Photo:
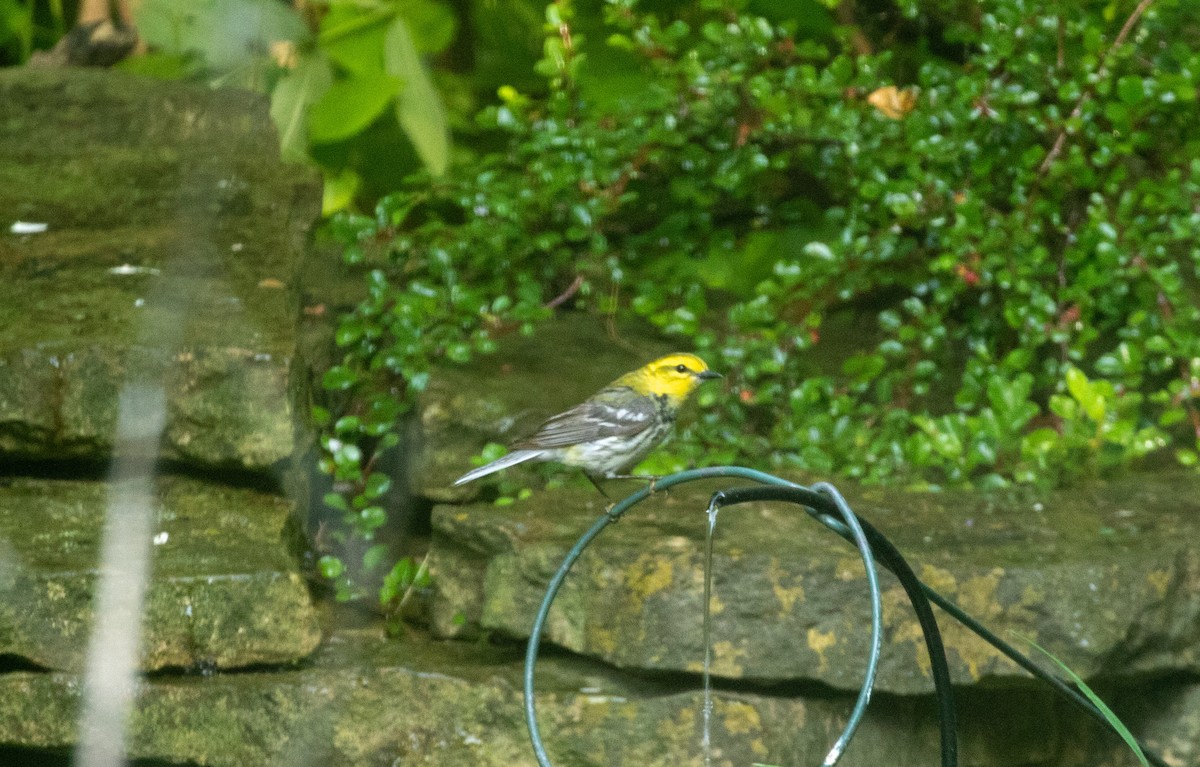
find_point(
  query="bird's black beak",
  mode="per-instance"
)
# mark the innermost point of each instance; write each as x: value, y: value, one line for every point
x: 708, y: 375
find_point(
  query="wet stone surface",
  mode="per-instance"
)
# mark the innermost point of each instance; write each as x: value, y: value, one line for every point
x: 226, y: 591
x: 1107, y: 578
x: 366, y: 700
x: 171, y: 240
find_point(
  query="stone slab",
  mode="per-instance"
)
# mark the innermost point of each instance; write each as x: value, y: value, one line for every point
x: 173, y: 234
x: 226, y: 407
x: 1107, y: 577
x: 225, y: 593
x: 368, y: 700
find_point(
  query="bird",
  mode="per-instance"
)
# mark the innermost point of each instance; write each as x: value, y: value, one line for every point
x: 614, y: 429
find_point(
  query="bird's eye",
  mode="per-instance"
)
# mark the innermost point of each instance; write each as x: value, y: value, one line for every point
x: 681, y: 368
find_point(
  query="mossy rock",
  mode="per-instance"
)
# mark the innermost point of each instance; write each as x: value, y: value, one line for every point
x: 1107, y: 577
x: 173, y: 236
x: 226, y: 591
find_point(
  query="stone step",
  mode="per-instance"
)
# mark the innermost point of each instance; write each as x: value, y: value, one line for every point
x: 1107, y: 577
x: 367, y: 699
x: 226, y: 591
x: 226, y: 407
x: 172, y: 237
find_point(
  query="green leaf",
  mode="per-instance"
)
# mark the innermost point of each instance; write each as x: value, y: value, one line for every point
x: 403, y: 571
x: 373, y: 557
x: 1010, y: 400
x: 347, y: 19
x: 353, y: 38
x: 377, y: 485
x: 320, y: 415
x: 1087, y: 394
x: 347, y: 456
x: 459, y: 352
x: 225, y: 33
x: 290, y: 100
x: 16, y: 23
x: 339, y: 378
x: 391, y: 439
x: 349, y: 331
x: 167, y: 26
x: 336, y: 501
x: 740, y: 270
x: 349, y: 106
x: 1131, y: 89
x: 339, y: 191
x: 373, y: 517
x: 1039, y: 442
x: 401, y: 576
x: 490, y: 452
x: 432, y: 24
x: 1064, y: 407
x: 1117, y: 725
x: 330, y: 567
x: 418, y: 106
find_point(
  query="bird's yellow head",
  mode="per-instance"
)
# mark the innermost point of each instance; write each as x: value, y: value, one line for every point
x: 675, y: 376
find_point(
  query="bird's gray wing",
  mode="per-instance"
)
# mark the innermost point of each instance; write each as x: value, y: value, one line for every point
x: 591, y: 420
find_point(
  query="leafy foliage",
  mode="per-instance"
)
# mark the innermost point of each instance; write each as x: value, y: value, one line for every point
x: 26, y: 25
x: 938, y: 246
x: 351, y: 68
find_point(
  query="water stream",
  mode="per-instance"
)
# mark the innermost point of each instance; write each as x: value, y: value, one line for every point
x: 706, y: 737
x: 111, y: 673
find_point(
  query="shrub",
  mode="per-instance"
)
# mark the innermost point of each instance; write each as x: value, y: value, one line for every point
x: 939, y: 245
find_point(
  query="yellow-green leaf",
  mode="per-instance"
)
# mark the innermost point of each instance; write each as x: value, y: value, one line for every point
x: 290, y: 101
x: 352, y: 37
x: 1086, y: 394
x: 349, y: 106
x: 418, y: 107
x: 339, y: 191
x: 432, y: 25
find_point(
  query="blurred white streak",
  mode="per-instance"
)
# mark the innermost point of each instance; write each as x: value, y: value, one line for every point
x: 28, y: 227
x: 111, y: 674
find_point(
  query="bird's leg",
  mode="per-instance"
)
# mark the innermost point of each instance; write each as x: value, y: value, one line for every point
x: 611, y: 503
x: 651, y: 478
x: 596, y: 485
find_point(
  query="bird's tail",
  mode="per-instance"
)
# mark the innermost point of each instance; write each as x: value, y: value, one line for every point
x: 512, y: 459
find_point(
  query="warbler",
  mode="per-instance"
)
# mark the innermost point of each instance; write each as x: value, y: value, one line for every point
x: 614, y: 429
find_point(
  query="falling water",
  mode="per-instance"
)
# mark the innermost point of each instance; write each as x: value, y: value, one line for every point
x: 706, y: 737
x: 113, y: 654
x: 112, y: 659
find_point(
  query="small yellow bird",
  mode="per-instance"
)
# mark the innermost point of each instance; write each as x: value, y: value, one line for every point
x: 618, y: 426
